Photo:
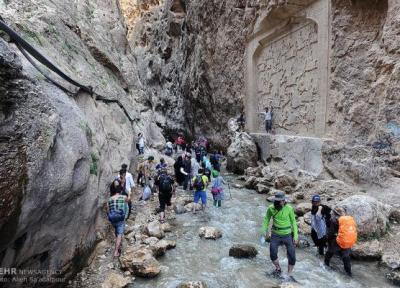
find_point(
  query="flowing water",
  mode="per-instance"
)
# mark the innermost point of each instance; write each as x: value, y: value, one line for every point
x: 240, y: 219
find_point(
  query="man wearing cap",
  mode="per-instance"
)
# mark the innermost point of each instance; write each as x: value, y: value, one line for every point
x: 283, y: 232
x: 320, y: 221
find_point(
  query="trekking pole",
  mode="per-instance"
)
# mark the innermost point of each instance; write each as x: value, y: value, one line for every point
x: 229, y: 188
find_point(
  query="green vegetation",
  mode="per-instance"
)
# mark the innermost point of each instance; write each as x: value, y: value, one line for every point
x: 94, y: 164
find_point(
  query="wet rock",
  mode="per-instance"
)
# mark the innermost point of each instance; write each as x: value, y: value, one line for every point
x: 394, y: 277
x: 210, y: 233
x: 169, y: 244
x: 183, y: 200
x: 265, y: 181
x: 243, y: 251
x: 154, y: 229
x: 253, y: 171
x: 303, y: 243
x: 241, y: 178
x: 179, y: 209
x: 262, y: 189
x: 114, y: 280
x: 371, y: 216
x: 161, y: 246
x: 303, y: 208
x: 371, y: 250
x: 189, y: 207
x: 391, y: 260
x: 395, y: 215
x: 140, y: 261
x: 284, y: 180
x: 166, y: 227
x: 238, y: 186
x: 242, y: 153
x: 193, y: 284
x: 150, y: 240
x: 251, y: 182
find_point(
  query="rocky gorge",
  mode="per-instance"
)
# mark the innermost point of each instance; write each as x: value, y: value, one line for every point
x: 188, y: 66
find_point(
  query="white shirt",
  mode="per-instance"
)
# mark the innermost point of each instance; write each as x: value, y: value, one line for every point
x: 141, y: 142
x: 129, y: 183
x: 267, y: 115
x: 169, y: 145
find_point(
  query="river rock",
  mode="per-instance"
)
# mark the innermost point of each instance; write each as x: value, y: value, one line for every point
x: 169, y: 244
x: 210, y: 233
x: 371, y: 250
x: 154, y: 229
x: 303, y: 208
x: 391, y: 260
x: 303, y: 227
x: 140, y: 261
x: 370, y: 215
x: 262, y: 189
x: 265, y: 181
x: 285, y: 180
x: 394, y: 277
x: 166, y: 227
x: 193, y: 284
x: 253, y: 171
x: 150, y: 240
x: 183, y: 200
x: 242, y: 153
x: 179, y: 209
x: 251, y: 182
x: 114, y: 280
x: 243, y: 251
x: 189, y: 207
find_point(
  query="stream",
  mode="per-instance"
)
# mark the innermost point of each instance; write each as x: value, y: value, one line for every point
x: 240, y: 219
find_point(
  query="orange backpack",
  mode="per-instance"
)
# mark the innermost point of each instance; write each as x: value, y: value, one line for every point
x: 347, y: 235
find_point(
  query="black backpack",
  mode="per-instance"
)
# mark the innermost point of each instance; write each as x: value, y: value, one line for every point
x: 165, y: 184
x: 198, y: 183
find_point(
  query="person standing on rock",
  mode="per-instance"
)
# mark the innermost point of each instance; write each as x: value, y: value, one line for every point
x: 200, y: 183
x: 217, y: 188
x: 129, y: 184
x: 342, y: 235
x: 140, y: 144
x: 320, y: 222
x: 117, y: 211
x: 267, y: 118
x: 186, y: 170
x: 179, y: 177
x: 166, y: 188
x: 284, y: 231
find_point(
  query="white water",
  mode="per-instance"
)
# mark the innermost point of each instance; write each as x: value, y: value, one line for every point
x: 240, y: 219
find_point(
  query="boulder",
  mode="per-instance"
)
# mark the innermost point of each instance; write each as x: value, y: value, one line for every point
x: 265, y: 181
x: 166, y: 227
x: 158, y: 249
x: 154, y: 229
x: 371, y: 216
x: 395, y: 215
x: 267, y: 173
x: 242, y: 153
x: 284, y: 180
x: 243, y: 251
x: 169, y: 244
x: 183, y: 200
x: 210, y: 233
x: 189, y: 207
x: 179, y: 209
x: 371, y: 250
x: 114, y: 280
x: 251, y: 182
x: 391, y: 260
x: 262, y: 189
x: 253, y: 171
x: 394, y: 277
x: 140, y: 261
x: 304, y: 228
x: 193, y: 284
x: 150, y: 240
x: 303, y: 208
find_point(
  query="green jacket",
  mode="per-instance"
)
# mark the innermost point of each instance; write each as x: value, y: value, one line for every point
x: 284, y: 221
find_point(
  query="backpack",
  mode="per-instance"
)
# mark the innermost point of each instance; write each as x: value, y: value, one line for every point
x: 198, y: 183
x: 165, y: 184
x: 347, y: 235
x: 146, y: 193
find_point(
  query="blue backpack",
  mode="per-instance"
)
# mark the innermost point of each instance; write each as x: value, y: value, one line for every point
x: 116, y: 216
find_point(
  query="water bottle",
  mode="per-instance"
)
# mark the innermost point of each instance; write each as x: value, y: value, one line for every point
x: 262, y: 240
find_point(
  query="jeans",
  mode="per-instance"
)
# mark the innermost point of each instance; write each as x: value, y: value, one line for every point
x: 186, y: 182
x: 287, y: 240
x: 141, y: 150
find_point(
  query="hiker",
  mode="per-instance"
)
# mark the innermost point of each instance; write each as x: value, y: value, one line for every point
x: 195, y: 166
x: 241, y: 121
x: 169, y: 148
x: 283, y: 232
x: 180, y: 144
x: 179, y: 177
x: 320, y: 221
x: 214, y: 160
x: 140, y: 144
x: 267, y: 118
x: 149, y: 171
x: 197, y: 152
x: 342, y: 235
x: 217, y: 188
x: 166, y: 188
x: 206, y: 170
x: 140, y: 171
x: 129, y: 184
x: 117, y: 212
x: 186, y: 170
x: 161, y: 165
x: 200, y: 183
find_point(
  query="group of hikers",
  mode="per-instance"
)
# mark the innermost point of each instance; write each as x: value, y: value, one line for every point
x: 330, y: 228
x: 197, y: 170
